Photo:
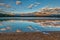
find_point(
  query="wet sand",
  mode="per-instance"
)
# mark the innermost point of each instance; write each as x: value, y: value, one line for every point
x: 30, y: 36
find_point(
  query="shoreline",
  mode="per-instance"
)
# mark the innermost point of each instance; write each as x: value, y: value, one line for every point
x: 30, y: 36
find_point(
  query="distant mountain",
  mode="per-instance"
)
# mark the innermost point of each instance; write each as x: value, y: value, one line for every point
x: 45, y: 12
x: 5, y: 15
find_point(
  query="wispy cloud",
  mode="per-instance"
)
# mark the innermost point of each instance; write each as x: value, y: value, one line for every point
x: 34, y: 5
x: 31, y: 5
x: 37, y: 3
x: 18, y: 2
x: 2, y: 4
x: 5, y: 5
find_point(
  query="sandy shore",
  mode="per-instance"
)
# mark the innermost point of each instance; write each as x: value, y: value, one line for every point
x: 30, y: 36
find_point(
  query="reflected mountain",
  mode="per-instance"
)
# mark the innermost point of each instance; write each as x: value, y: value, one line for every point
x: 26, y: 26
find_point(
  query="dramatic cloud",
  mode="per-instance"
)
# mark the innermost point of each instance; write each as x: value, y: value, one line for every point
x: 18, y: 2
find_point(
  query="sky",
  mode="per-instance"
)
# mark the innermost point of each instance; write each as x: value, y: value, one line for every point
x: 25, y: 6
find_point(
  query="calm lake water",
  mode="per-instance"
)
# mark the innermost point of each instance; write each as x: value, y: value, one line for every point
x: 23, y: 26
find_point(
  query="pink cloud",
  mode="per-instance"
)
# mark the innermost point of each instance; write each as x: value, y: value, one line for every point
x: 18, y: 2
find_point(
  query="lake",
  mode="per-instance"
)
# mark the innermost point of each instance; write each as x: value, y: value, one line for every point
x: 23, y: 26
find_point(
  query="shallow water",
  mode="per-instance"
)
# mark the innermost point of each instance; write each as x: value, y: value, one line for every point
x: 23, y: 26
x: 14, y: 25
